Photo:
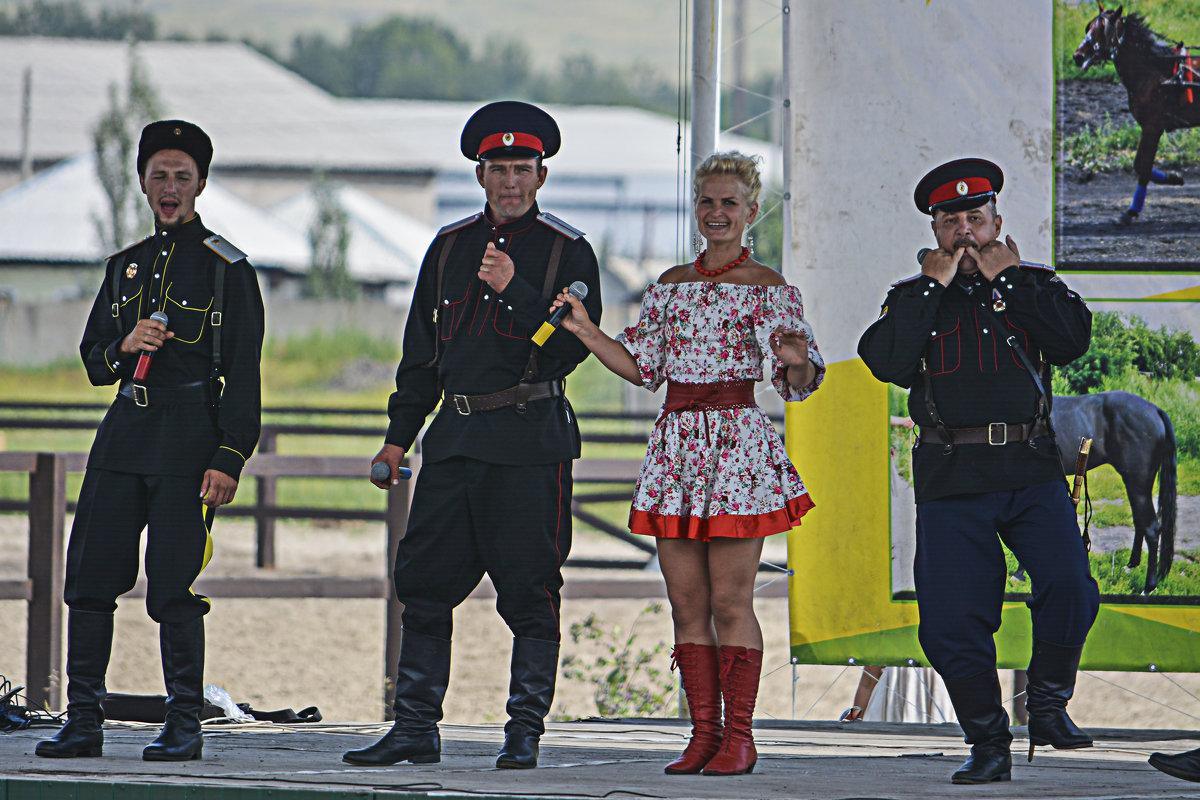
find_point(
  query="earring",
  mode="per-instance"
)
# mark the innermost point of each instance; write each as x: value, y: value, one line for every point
x: 697, y: 243
x: 750, y: 242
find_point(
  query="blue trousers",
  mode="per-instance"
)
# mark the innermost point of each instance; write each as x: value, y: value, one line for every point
x: 961, y: 574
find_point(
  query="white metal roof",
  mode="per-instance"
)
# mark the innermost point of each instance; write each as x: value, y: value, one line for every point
x: 50, y: 219
x: 385, y: 244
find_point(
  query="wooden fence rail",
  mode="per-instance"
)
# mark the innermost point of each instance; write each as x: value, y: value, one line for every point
x: 47, y: 507
x: 42, y: 588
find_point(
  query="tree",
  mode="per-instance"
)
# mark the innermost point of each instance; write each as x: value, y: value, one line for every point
x: 113, y: 139
x: 72, y: 21
x: 329, y: 235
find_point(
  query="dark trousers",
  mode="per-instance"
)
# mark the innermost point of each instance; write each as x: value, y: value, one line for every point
x: 469, y: 518
x: 961, y: 573
x: 102, y: 555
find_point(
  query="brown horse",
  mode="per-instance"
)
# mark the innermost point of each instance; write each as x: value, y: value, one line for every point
x: 1137, y: 438
x: 1162, y: 81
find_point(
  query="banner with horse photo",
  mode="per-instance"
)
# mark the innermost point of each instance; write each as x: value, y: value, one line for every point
x: 864, y: 130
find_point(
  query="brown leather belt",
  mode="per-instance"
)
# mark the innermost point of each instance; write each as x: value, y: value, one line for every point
x: 993, y: 433
x: 519, y: 395
x: 184, y: 394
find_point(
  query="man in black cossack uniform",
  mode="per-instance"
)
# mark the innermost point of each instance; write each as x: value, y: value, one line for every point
x: 494, y: 490
x: 173, y: 441
x: 972, y: 338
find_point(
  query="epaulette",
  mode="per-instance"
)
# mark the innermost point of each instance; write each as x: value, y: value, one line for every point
x: 128, y: 248
x: 908, y: 280
x: 557, y: 224
x: 1031, y: 265
x: 462, y: 223
x: 224, y: 249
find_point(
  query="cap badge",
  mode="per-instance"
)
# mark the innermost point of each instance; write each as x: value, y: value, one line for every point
x: 962, y: 188
x: 508, y: 139
x: 131, y: 270
x: 178, y: 132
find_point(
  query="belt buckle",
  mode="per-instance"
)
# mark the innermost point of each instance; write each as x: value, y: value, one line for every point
x: 1002, y: 428
x: 461, y: 404
x: 139, y: 395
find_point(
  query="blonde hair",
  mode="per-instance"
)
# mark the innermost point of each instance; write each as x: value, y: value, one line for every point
x: 739, y: 165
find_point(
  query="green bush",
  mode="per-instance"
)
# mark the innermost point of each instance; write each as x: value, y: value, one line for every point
x: 627, y: 682
x: 1121, y: 346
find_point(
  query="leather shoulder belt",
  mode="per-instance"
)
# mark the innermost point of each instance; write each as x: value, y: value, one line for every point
x: 519, y: 395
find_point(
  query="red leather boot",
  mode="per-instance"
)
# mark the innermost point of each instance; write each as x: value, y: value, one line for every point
x: 740, y: 670
x: 698, y: 671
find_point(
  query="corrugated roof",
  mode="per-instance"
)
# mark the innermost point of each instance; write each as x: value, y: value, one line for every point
x: 261, y: 114
x: 257, y: 112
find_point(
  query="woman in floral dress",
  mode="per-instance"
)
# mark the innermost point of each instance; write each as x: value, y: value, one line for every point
x: 716, y: 478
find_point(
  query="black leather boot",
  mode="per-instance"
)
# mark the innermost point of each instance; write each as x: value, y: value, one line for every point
x: 89, y: 644
x: 182, y: 647
x: 1183, y: 765
x: 421, y: 681
x: 985, y: 727
x: 531, y: 691
x: 1051, y: 674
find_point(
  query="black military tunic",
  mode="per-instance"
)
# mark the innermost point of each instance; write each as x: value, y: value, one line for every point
x: 976, y: 377
x: 173, y: 272
x: 146, y: 465
x: 494, y: 492
x: 481, y: 340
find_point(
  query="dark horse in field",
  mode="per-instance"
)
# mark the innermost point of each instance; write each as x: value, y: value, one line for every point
x: 1137, y: 438
x: 1162, y: 81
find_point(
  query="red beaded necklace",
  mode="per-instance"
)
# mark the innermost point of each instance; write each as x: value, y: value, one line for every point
x: 712, y: 273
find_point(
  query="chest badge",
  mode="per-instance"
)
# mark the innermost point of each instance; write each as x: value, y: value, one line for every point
x: 998, y: 303
x: 131, y: 270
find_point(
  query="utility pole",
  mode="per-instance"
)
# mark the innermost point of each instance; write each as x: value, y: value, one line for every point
x: 739, y: 63
x: 26, y: 122
x: 706, y: 83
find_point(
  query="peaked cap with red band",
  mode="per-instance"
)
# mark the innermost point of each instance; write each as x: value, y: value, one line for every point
x: 958, y: 186
x: 509, y: 129
x: 175, y: 134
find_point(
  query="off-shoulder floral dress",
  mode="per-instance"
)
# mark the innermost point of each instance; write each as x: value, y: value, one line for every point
x: 717, y: 472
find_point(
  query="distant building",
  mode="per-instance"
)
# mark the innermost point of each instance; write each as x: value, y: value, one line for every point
x: 621, y: 175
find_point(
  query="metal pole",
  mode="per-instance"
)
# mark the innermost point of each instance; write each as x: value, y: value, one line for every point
x: 706, y: 79
x: 26, y: 122
x: 788, y: 261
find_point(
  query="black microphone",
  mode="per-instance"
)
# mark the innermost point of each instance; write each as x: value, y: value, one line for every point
x: 924, y: 251
x: 380, y: 471
x: 577, y: 289
x: 143, y: 363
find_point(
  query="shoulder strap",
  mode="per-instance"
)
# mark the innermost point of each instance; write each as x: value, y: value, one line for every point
x: 437, y: 297
x: 556, y: 251
x: 1035, y: 371
x: 116, y: 293
x: 215, y: 315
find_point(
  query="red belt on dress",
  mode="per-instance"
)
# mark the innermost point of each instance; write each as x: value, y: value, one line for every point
x: 707, y: 396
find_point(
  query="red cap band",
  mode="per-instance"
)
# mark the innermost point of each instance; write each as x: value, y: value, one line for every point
x: 511, y: 140
x: 959, y: 188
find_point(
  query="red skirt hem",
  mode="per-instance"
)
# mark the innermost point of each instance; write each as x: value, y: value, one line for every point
x: 724, y: 526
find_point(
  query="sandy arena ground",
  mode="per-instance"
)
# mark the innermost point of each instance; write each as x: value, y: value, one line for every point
x: 277, y: 654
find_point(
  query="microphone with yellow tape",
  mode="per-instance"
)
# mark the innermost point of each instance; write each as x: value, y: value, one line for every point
x: 579, y: 290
